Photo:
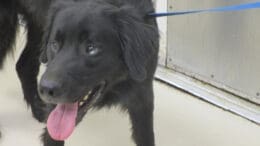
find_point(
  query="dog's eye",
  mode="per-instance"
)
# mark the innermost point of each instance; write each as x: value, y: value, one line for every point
x: 54, y: 46
x: 92, y: 50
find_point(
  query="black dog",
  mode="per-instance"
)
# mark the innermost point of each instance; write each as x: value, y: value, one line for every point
x: 97, y: 52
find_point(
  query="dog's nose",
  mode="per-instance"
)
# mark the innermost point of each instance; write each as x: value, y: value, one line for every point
x: 49, y: 88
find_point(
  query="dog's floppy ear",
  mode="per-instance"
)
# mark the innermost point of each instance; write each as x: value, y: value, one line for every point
x: 139, y: 41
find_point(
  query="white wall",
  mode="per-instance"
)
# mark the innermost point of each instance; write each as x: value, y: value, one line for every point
x: 161, y: 6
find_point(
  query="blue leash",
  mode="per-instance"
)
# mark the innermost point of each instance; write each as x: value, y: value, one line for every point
x: 238, y: 7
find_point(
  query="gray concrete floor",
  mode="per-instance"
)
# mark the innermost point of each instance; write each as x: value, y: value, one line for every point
x: 180, y: 120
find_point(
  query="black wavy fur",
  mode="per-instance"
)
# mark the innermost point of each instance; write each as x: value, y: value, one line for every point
x: 8, y: 25
x: 128, y: 67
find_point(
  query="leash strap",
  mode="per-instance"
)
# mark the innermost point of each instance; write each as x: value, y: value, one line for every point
x: 239, y: 7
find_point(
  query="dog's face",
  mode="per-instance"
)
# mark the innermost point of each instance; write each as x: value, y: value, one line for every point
x: 83, y: 53
x: 89, y: 47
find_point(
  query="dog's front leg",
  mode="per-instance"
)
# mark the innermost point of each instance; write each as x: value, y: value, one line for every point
x: 48, y: 141
x: 141, y: 115
x: 28, y: 67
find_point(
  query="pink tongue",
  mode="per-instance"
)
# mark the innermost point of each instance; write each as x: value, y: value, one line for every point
x: 62, y: 120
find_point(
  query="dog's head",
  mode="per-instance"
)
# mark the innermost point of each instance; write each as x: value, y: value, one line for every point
x: 88, y: 47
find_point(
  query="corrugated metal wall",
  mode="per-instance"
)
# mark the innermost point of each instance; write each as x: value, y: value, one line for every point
x: 222, y: 49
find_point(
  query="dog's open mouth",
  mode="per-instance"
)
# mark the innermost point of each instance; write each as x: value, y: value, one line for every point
x: 62, y: 120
